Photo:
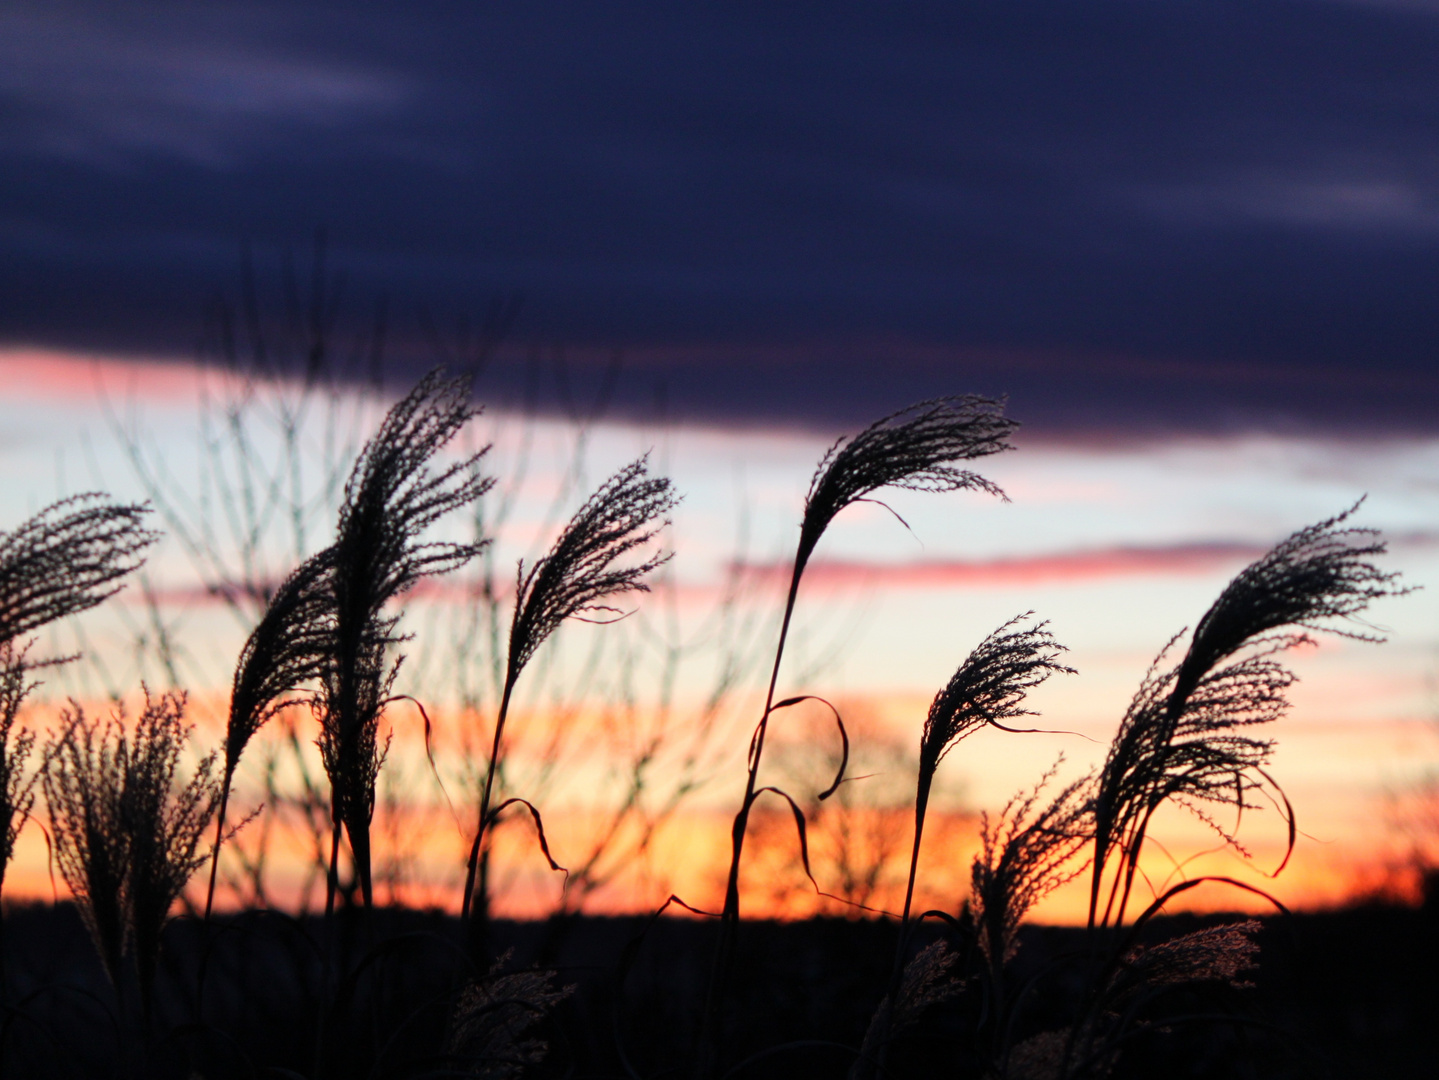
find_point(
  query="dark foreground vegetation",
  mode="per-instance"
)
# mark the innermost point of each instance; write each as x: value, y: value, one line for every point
x: 1342, y: 994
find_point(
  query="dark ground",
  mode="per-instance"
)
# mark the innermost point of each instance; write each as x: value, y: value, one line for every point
x: 1352, y: 993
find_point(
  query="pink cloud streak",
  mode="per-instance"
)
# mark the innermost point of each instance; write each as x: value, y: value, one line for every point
x: 1101, y: 563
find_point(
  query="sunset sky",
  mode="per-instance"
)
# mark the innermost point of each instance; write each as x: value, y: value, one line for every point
x: 1195, y: 245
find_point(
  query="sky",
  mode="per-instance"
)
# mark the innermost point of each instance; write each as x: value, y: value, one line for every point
x: 1192, y: 244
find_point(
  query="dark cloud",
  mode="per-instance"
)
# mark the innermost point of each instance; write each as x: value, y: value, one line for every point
x: 1128, y: 215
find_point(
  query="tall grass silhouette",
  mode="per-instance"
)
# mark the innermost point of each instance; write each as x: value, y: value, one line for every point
x: 163, y: 820
x: 1026, y: 852
x: 579, y: 576
x: 69, y: 557
x: 1182, y: 738
x: 988, y: 688
x: 84, y: 781
x: 17, y: 791
x: 391, y: 498
x: 291, y: 646
x: 128, y: 818
x: 914, y: 449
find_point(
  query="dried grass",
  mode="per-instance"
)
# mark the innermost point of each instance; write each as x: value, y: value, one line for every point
x: 84, y: 781
x: 493, y: 1033
x: 1026, y: 853
x: 580, y: 573
x: 913, y: 449
x: 289, y: 647
x: 1180, y: 738
x: 17, y: 791
x: 910, y: 449
x: 67, y: 558
x: 127, y: 831
x: 391, y: 497
x: 164, y: 820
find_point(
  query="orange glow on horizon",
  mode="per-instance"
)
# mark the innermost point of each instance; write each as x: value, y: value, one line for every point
x: 420, y: 853
x: 630, y: 864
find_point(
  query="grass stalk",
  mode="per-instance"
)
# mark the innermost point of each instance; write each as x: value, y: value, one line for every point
x: 911, y: 449
x: 390, y: 499
x: 290, y: 646
x: 478, y: 848
x: 988, y: 688
x: 579, y: 575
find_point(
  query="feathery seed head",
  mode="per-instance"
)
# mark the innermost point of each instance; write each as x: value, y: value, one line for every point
x: 1181, y: 736
x: 67, y: 558
x: 288, y: 648
x: 1025, y: 855
x: 495, y: 1019
x: 912, y: 449
x: 580, y: 573
x: 17, y: 792
x: 1320, y: 573
x: 126, y: 830
x: 1214, y: 954
x: 928, y: 980
x: 163, y: 820
x: 989, y: 687
x: 1043, y: 1056
x: 391, y: 497
x: 83, y: 778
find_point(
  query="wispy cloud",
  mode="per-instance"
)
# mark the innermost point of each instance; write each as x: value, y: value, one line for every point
x: 102, y: 88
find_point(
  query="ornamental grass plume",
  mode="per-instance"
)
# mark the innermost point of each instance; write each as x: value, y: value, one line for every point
x: 67, y: 558
x: 493, y: 1035
x: 390, y: 498
x: 288, y: 648
x: 1025, y: 854
x: 163, y: 820
x: 127, y: 832
x: 913, y: 449
x: 83, y: 779
x: 1180, y: 737
x: 928, y: 980
x: 17, y: 792
x: 1132, y: 982
x: 582, y: 571
x: 1214, y: 954
x: 988, y: 688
